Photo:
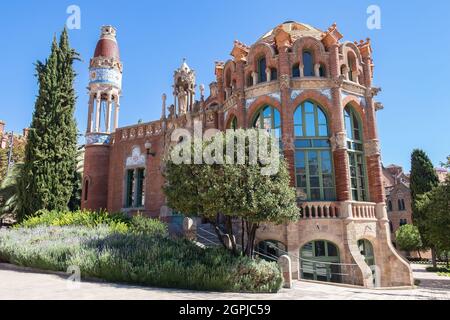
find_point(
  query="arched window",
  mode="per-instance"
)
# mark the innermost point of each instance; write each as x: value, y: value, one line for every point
x: 389, y: 205
x: 366, y: 250
x: 135, y: 188
x: 296, y: 71
x: 273, y: 74
x: 313, y: 160
x: 401, y: 205
x: 271, y: 250
x: 262, y: 66
x: 320, y: 261
x: 308, y: 64
x: 351, y: 66
x: 268, y: 118
x: 355, y: 148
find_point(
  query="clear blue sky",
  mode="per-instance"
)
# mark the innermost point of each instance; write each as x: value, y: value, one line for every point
x: 411, y: 52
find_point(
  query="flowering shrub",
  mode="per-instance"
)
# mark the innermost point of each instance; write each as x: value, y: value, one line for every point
x: 136, y: 257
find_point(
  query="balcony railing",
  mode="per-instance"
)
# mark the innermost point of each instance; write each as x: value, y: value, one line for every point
x: 320, y: 210
x: 337, y: 210
x: 364, y: 210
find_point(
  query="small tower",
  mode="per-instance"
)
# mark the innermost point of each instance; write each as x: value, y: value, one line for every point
x: 105, y: 89
x: 184, y: 89
x: 105, y: 85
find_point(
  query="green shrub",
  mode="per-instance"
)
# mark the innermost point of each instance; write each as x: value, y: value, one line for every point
x: 73, y: 218
x: 137, y: 257
x: 119, y: 223
x: 142, y: 225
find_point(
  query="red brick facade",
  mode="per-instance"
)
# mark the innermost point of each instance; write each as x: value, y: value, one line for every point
x: 342, y: 77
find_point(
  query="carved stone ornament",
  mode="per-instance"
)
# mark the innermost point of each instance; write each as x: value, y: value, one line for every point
x: 372, y: 148
x: 339, y: 141
x: 285, y: 81
x: 136, y: 159
x: 339, y: 81
x: 372, y: 92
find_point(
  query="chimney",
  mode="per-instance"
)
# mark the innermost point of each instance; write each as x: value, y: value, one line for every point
x: 2, y: 127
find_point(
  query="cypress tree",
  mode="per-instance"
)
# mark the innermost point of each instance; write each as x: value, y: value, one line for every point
x: 50, y: 155
x: 423, y: 179
x: 423, y: 175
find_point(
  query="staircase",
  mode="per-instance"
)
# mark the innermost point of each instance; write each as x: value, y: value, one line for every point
x: 206, y: 235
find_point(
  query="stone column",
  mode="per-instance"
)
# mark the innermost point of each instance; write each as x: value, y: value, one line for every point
x: 286, y: 268
x: 163, y: 111
x: 317, y: 69
x: 268, y: 75
x: 90, y: 111
x: 189, y: 229
x: 255, y: 78
x: 97, y: 113
x: 116, y: 114
x: 108, y: 114
x: 302, y: 70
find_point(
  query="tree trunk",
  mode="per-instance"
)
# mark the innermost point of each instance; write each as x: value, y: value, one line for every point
x: 242, y: 234
x: 229, y: 226
x: 251, y: 237
x: 433, y: 257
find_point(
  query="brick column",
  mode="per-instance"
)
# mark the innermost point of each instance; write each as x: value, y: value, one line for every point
x: 287, y: 118
x: 240, y: 94
x: 372, y: 144
x: 339, y: 136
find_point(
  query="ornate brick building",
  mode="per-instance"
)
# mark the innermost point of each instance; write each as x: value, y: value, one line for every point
x: 308, y: 87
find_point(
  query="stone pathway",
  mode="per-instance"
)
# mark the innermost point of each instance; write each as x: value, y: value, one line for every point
x: 23, y: 283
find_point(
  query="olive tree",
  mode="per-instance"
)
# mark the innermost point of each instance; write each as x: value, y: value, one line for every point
x: 233, y: 183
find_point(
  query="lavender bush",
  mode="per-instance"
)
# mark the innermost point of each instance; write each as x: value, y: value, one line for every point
x: 140, y: 258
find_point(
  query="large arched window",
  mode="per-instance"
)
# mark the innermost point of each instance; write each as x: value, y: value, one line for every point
x: 356, y: 154
x: 262, y: 66
x: 268, y: 118
x: 313, y: 160
x: 308, y: 64
x: 320, y: 261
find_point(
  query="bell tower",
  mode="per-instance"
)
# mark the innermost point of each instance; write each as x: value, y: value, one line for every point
x: 105, y: 89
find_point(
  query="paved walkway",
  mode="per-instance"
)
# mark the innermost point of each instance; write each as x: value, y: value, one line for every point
x: 22, y: 283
